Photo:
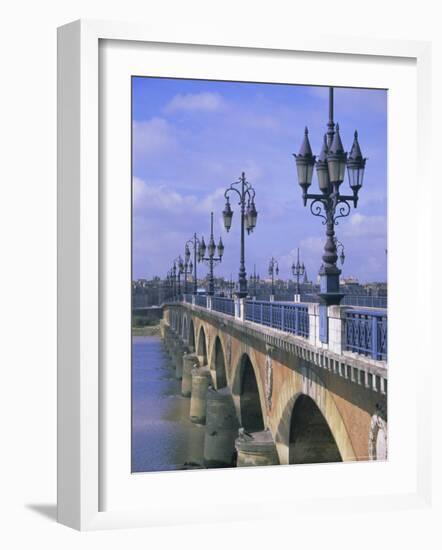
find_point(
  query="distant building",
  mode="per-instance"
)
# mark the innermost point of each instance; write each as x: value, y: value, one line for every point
x: 146, y: 293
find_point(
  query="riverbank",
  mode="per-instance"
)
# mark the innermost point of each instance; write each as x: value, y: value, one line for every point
x: 163, y: 436
x: 151, y: 330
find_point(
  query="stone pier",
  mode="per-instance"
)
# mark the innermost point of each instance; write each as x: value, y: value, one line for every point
x: 256, y: 449
x: 200, y: 382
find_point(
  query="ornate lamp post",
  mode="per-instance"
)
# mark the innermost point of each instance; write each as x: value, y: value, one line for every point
x: 172, y: 277
x: 210, y: 259
x: 330, y: 204
x: 176, y: 278
x: 231, y: 286
x: 298, y: 271
x: 246, y: 195
x: 193, y: 244
x: 188, y: 266
x: 273, y: 270
x: 254, y: 279
x: 168, y: 284
x: 180, y: 270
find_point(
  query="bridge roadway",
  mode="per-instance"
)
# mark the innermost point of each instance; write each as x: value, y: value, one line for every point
x: 268, y: 396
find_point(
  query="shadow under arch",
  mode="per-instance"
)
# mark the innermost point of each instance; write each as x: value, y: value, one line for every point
x: 313, y: 388
x: 246, y: 387
x: 178, y: 324
x: 184, y: 331
x: 202, y: 346
x: 310, y: 440
x: 218, y: 365
x: 191, y: 336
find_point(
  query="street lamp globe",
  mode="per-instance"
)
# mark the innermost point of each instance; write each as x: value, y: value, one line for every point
x: 252, y: 216
x: 336, y: 159
x: 211, y: 248
x: 202, y: 249
x: 322, y: 168
x: 342, y: 257
x: 305, y: 160
x: 220, y: 248
x: 227, y: 216
x: 356, y: 166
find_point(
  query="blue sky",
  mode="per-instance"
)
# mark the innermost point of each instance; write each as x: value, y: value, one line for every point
x: 192, y: 138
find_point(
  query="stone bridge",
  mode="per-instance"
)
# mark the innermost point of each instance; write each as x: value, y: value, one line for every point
x: 278, y: 395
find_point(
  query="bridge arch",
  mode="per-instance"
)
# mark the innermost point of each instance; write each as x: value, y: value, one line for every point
x: 191, y: 336
x: 310, y: 439
x: 184, y: 331
x: 178, y: 322
x: 303, y: 404
x: 202, y: 346
x: 218, y: 364
x: 248, y: 391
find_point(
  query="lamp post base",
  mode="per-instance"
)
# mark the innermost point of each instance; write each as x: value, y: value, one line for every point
x: 241, y: 290
x: 330, y: 295
x: 331, y: 298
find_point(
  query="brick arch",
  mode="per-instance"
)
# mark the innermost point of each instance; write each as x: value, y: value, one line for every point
x: 218, y: 363
x: 308, y: 383
x: 237, y: 379
x: 191, y: 338
x: 201, y: 345
x: 185, y: 328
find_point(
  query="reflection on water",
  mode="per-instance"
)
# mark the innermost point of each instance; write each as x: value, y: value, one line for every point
x: 163, y: 438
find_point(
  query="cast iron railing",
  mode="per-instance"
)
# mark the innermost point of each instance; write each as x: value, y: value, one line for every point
x: 366, y: 333
x: 201, y: 300
x: 291, y: 318
x: 223, y: 305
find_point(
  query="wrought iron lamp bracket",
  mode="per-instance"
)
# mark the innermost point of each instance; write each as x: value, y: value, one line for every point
x: 318, y: 207
x: 343, y: 208
x: 249, y: 191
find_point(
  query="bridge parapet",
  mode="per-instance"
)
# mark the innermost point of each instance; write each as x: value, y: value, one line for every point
x: 350, y: 330
x: 265, y: 369
x: 357, y: 368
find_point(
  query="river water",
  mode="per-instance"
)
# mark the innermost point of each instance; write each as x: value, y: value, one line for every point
x: 163, y: 438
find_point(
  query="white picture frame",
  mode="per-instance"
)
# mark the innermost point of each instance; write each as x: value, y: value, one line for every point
x: 79, y: 273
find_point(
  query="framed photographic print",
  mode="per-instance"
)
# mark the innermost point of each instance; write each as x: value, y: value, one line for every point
x: 231, y: 259
x: 293, y: 354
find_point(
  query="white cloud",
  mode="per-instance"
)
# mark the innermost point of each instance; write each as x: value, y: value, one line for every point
x: 204, y: 101
x: 260, y: 121
x: 153, y: 136
x: 360, y: 225
x: 159, y: 197
x: 160, y: 205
